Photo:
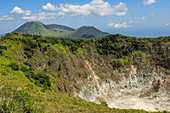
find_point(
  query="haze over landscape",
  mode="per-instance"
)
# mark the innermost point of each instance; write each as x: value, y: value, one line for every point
x: 140, y: 18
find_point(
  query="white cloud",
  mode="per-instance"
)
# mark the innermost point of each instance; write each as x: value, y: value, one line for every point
x: 153, y: 14
x: 18, y: 10
x: 146, y: 16
x: 95, y: 7
x: 40, y: 16
x: 119, y: 25
x: 148, y: 2
x: 143, y: 17
x: 50, y: 7
x: 6, y: 17
x: 27, y: 12
x: 167, y: 24
x: 61, y: 14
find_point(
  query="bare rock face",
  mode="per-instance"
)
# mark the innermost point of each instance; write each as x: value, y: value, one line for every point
x: 141, y: 90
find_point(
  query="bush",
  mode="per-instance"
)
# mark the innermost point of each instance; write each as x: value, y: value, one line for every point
x: 104, y: 104
x: 40, y: 79
x: 116, y: 63
x: 14, y: 66
x: 49, y: 63
x: 3, y: 47
x: 24, y: 68
x: 28, y: 64
x: 1, y: 52
x: 27, y: 48
x: 28, y: 54
x: 16, y: 101
x: 59, y: 67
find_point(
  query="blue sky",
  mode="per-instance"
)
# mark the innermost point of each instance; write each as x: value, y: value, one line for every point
x: 141, y: 18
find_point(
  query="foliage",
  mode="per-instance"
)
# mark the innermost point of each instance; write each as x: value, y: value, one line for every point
x: 16, y: 101
x: 28, y: 64
x: 2, y: 48
x: 24, y: 68
x: 120, y: 45
x: 104, y: 104
x: 117, y: 63
x: 14, y: 66
x: 59, y: 67
x: 40, y: 79
x: 56, y: 26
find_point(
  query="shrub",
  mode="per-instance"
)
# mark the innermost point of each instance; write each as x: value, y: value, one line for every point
x: 1, y: 52
x: 28, y: 64
x: 27, y: 48
x: 14, y: 66
x: 40, y: 79
x: 16, y: 101
x: 59, y: 67
x: 49, y: 63
x: 116, y: 63
x: 3, y: 47
x: 28, y: 54
x: 104, y: 104
x: 24, y: 68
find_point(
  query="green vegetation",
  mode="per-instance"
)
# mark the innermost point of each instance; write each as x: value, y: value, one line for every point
x: 56, y: 26
x: 86, y: 32
x: 121, y: 46
x: 104, y: 103
x: 2, y: 48
x: 17, y: 101
x: 35, y: 28
x: 39, y: 79
x: 14, y: 66
x: 26, y: 87
x: 117, y: 63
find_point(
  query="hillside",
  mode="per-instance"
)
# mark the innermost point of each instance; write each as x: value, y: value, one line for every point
x: 113, y: 74
x: 34, y: 28
x: 54, y: 30
x: 87, y: 32
x: 56, y: 26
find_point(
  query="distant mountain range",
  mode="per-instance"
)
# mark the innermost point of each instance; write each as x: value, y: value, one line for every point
x: 55, y: 30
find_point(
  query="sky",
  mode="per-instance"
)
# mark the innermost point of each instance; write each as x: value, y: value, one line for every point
x: 140, y: 18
